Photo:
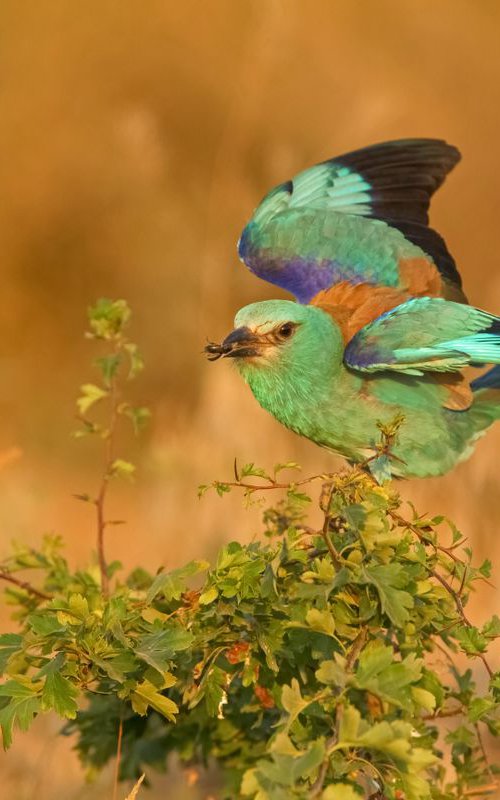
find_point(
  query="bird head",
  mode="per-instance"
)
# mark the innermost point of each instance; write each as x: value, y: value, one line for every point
x: 283, y: 338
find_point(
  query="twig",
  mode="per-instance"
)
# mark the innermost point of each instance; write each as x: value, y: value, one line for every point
x: 6, y: 576
x: 418, y: 532
x: 479, y: 791
x: 261, y: 487
x: 453, y: 593
x: 118, y: 759
x: 326, y: 525
x: 101, y: 497
x: 453, y: 712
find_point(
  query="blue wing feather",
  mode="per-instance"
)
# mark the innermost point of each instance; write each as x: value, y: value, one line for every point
x: 295, y: 240
x: 426, y: 334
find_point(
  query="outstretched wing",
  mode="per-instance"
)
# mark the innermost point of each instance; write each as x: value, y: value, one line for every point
x: 426, y: 335
x: 361, y: 218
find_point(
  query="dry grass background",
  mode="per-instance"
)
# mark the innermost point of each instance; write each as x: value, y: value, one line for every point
x: 136, y: 138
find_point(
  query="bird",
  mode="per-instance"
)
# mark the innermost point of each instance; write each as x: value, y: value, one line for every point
x: 380, y: 327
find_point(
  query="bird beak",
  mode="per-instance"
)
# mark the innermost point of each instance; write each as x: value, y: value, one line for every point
x: 241, y: 343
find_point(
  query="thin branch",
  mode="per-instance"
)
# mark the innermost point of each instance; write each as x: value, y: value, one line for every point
x: 325, y: 507
x: 262, y: 487
x: 6, y: 576
x: 480, y: 791
x: 418, y: 532
x: 101, y: 497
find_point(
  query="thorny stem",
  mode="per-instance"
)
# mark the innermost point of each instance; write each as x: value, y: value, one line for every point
x: 326, y: 524
x: 257, y: 487
x: 6, y: 576
x: 101, y: 497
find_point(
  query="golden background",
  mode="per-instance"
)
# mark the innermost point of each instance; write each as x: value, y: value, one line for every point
x: 135, y: 140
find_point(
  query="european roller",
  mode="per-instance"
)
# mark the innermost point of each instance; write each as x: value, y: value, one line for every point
x: 380, y: 327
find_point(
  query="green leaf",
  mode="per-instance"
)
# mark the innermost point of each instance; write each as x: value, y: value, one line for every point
x: 59, y: 695
x: 139, y: 416
x: 250, y: 470
x: 213, y: 689
x: 172, y: 584
x: 292, y: 700
x: 156, y: 649
x: 146, y: 695
x: 479, y: 707
x: 10, y: 643
x: 471, y: 640
x: 331, y: 673
x: 90, y: 394
x: 122, y: 469
x: 209, y: 595
x: 109, y: 367
x: 108, y: 318
x: 22, y: 707
x: 136, y: 360
x: 379, y: 673
x: 321, y: 621
x: 388, y: 580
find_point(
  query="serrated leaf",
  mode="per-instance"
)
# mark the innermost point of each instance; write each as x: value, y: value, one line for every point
x: 156, y: 649
x: 90, y: 394
x: 250, y: 470
x: 172, y: 584
x: 479, y: 707
x: 136, y: 360
x: 321, y: 621
x: 331, y: 673
x: 21, y: 708
x: 59, y: 695
x: 146, y: 695
x: 382, y: 675
x: 471, y: 640
x: 213, y: 690
x: 109, y: 367
x: 389, y: 579
x: 292, y: 700
x: 122, y: 469
x: 108, y: 318
x: 139, y: 416
x: 10, y: 643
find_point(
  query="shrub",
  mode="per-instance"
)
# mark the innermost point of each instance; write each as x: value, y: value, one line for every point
x: 308, y: 663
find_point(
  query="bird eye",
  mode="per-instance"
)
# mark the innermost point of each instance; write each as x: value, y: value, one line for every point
x: 286, y: 330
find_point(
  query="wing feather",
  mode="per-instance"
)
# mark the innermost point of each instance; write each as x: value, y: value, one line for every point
x: 319, y: 228
x: 426, y: 335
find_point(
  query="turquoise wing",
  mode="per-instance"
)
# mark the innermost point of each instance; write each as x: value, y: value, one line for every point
x: 354, y: 218
x: 426, y: 335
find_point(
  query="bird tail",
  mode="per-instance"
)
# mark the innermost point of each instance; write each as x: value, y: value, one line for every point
x: 486, y: 388
x: 490, y: 380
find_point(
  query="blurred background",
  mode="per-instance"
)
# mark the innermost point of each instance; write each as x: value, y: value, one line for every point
x: 136, y: 139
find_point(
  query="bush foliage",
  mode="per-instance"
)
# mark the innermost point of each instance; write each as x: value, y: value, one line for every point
x: 311, y: 663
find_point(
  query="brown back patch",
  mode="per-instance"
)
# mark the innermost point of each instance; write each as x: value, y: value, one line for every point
x: 353, y: 307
